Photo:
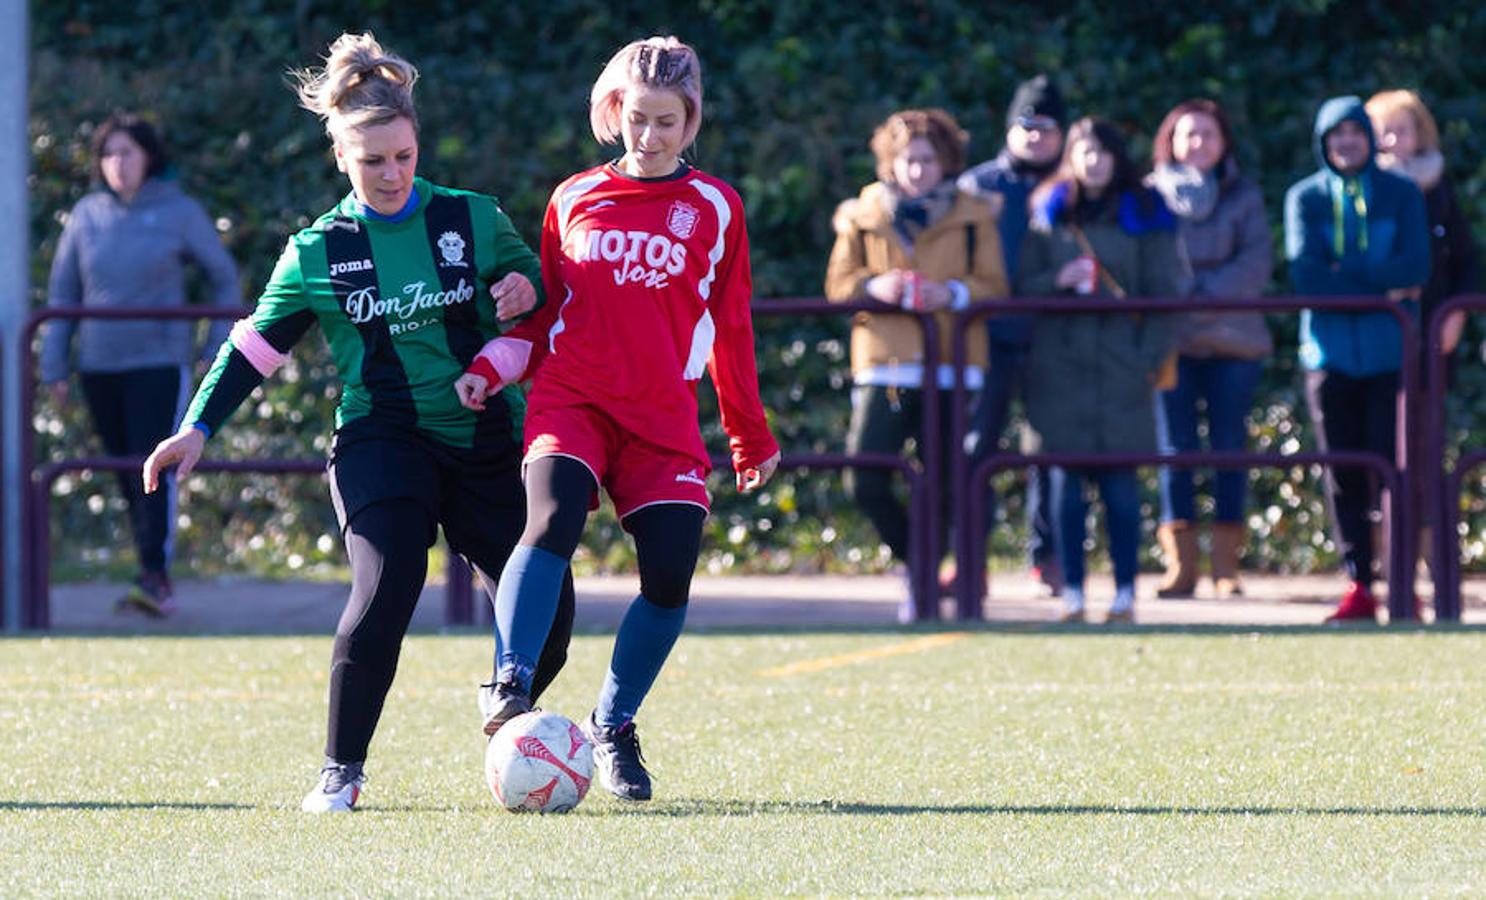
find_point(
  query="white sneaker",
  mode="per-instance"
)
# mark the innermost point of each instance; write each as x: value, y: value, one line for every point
x: 338, y: 789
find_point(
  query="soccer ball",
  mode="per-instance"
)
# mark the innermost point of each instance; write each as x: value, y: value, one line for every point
x: 539, y: 762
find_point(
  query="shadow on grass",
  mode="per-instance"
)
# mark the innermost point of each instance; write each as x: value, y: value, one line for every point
x: 1006, y: 629
x: 683, y: 807
x: 7, y: 805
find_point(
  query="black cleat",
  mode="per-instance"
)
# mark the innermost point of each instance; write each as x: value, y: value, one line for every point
x: 500, y: 703
x: 617, y: 757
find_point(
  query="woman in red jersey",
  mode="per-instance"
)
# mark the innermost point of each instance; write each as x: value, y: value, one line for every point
x: 645, y: 262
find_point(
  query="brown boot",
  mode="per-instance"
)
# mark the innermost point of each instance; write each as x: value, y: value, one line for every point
x: 1178, y: 541
x: 1228, y: 541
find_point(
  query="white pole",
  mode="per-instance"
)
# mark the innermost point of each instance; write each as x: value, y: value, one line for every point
x: 15, y: 265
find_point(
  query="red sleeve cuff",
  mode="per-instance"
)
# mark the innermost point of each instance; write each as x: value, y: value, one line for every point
x: 482, y: 367
x: 743, y: 460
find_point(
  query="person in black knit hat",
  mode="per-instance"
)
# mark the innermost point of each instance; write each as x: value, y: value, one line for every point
x: 1034, y: 143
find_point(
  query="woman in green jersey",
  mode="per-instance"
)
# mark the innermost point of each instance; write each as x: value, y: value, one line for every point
x: 396, y: 276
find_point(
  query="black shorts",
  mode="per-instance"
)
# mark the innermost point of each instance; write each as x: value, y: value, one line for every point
x: 475, y: 494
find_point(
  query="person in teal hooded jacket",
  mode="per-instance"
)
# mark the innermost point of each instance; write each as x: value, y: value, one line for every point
x: 1353, y: 229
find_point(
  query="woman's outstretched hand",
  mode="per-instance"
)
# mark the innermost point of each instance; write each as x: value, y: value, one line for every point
x: 751, y: 479
x: 182, y: 450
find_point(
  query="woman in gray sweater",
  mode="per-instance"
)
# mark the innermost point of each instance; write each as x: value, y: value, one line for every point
x: 1226, y: 237
x: 125, y: 244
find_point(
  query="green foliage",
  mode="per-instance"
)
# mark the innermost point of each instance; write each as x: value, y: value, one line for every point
x: 793, y: 91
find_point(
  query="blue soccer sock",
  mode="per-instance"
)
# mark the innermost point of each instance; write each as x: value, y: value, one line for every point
x: 525, y: 605
x: 645, y: 639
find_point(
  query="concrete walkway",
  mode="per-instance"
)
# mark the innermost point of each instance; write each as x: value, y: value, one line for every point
x: 248, y: 606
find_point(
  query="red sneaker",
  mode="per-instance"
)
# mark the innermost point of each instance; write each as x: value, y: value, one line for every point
x: 1050, y: 574
x: 1357, y: 605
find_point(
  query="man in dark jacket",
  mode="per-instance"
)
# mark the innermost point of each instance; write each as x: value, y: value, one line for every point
x: 1353, y: 229
x: 1034, y: 146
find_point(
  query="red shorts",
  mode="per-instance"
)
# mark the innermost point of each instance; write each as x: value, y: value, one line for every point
x: 635, y: 472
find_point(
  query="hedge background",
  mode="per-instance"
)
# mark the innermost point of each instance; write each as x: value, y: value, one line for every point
x: 793, y: 90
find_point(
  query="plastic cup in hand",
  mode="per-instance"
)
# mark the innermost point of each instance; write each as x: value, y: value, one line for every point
x: 1088, y: 275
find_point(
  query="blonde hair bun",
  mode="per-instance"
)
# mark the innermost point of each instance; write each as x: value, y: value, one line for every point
x: 361, y: 85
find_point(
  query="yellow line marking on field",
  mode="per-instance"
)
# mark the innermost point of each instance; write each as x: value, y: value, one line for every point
x: 919, y: 645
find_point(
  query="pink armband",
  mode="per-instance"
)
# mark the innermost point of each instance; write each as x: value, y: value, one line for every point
x: 506, y: 357
x: 256, y: 348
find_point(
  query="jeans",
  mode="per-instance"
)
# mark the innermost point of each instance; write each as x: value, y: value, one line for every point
x: 1120, y: 491
x: 1226, y: 387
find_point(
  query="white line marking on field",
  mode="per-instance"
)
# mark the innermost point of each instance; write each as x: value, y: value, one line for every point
x: 847, y: 659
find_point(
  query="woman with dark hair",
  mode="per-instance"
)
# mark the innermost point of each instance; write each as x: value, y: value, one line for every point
x: 911, y: 239
x: 1097, y: 232
x: 125, y: 245
x: 1226, y: 238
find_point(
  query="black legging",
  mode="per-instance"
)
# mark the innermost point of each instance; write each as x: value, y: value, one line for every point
x: 1354, y: 414
x: 882, y: 421
x: 668, y: 536
x: 387, y: 544
x: 132, y: 412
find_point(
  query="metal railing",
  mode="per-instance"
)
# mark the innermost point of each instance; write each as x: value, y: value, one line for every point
x: 36, y: 518
x: 970, y: 517
x: 1442, y: 487
x: 923, y: 481
x: 968, y: 481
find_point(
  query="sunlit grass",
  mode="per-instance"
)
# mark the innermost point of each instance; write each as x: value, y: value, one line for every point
x: 786, y: 763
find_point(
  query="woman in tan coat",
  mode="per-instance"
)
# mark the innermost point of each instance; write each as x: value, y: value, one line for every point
x: 909, y: 240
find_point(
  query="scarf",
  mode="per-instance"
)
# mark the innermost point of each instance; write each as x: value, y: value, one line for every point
x: 1348, y: 202
x: 911, y: 216
x: 1188, y: 191
x: 1424, y: 169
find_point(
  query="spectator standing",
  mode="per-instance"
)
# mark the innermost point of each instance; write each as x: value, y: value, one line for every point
x: 1096, y: 231
x: 1034, y: 144
x: 1409, y: 145
x: 915, y: 240
x: 1353, y: 229
x: 1225, y: 235
x: 126, y: 245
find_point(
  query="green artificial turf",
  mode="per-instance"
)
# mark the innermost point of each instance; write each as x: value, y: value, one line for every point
x: 1279, y: 764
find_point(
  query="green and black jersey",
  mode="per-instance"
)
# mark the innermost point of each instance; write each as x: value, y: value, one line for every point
x: 405, y: 306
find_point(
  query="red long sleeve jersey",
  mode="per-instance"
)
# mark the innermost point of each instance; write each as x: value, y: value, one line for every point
x: 648, y: 284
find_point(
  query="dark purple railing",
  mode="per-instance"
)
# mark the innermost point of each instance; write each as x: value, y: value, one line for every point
x: 924, y: 482
x: 970, y: 498
x: 36, y: 509
x: 1442, y: 487
x: 924, y: 477
x: 459, y: 607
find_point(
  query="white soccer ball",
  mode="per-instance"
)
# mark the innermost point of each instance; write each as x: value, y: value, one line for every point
x: 539, y: 762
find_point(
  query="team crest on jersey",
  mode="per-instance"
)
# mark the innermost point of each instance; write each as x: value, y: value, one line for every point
x: 451, y: 245
x: 682, y: 219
